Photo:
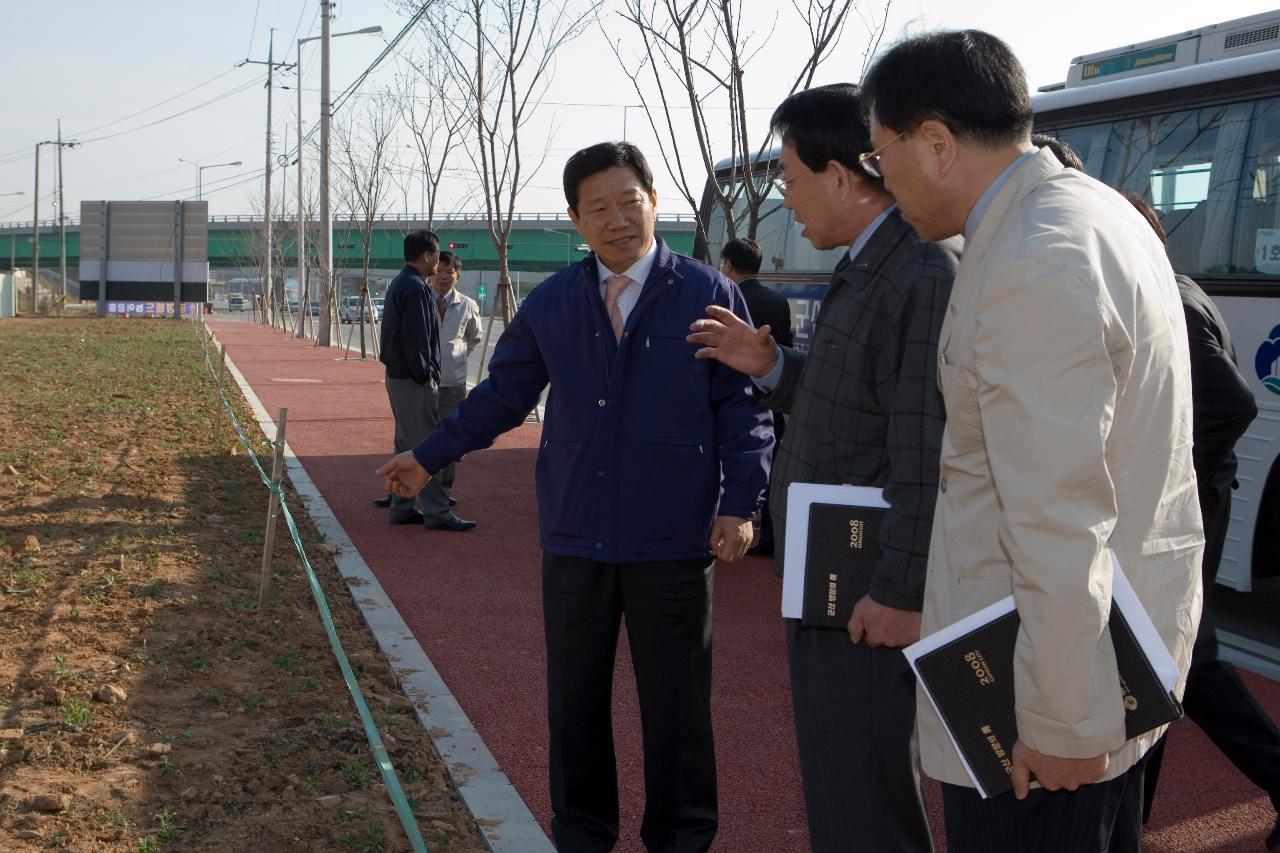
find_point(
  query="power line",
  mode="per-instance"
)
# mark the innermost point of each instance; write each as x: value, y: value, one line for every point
x: 386, y: 51
x: 253, y: 30
x: 237, y: 90
x: 215, y: 78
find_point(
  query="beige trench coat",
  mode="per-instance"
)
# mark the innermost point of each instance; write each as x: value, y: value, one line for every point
x: 1063, y: 363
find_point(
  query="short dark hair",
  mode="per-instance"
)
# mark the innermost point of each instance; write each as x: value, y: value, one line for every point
x: 1148, y: 213
x: 419, y: 243
x: 599, y: 158
x: 1066, y: 155
x: 452, y: 260
x: 744, y: 253
x: 826, y: 123
x: 967, y: 79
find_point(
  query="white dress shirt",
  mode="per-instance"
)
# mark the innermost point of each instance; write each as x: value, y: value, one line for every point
x: 637, y: 272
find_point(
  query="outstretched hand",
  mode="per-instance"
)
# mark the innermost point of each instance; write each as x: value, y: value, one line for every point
x: 727, y: 338
x: 403, y: 475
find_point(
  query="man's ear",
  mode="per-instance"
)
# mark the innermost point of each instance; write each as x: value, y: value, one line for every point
x: 941, y: 146
x: 573, y: 217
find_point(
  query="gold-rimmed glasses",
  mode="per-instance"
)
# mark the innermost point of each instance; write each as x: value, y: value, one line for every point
x: 870, y: 161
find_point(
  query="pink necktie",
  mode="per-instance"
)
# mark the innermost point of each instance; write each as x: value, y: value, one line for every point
x: 613, y: 287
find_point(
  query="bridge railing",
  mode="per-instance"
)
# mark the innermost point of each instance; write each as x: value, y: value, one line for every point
x: 442, y: 221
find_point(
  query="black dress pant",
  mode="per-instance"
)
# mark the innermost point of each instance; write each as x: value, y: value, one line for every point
x: 667, y: 608
x: 1105, y: 817
x: 855, y: 711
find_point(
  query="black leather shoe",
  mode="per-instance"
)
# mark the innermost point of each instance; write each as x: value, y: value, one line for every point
x: 414, y: 517
x: 383, y: 502
x: 452, y: 523
x: 452, y: 502
x: 1273, y: 840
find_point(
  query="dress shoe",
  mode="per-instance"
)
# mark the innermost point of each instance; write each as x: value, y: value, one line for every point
x: 413, y: 517
x: 1273, y: 840
x: 383, y: 502
x: 452, y: 523
x: 452, y: 502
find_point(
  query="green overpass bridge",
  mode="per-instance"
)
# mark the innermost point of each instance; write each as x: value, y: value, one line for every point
x: 539, y: 242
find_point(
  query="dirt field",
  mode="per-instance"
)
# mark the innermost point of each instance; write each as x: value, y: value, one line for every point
x: 147, y: 704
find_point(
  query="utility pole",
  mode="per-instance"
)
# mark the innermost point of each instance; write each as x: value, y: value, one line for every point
x: 268, y: 284
x: 35, y: 235
x: 62, y: 230
x: 304, y: 298
x: 326, y: 215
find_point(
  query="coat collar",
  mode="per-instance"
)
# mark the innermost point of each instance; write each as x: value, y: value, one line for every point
x: 663, y: 264
x: 1031, y: 173
x: 891, y: 231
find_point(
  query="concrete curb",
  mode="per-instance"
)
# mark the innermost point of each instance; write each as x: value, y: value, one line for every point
x: 504, y: 819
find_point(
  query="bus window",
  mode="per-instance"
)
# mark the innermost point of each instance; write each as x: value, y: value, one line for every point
x: 1257, y: 240
x: 1187, y: 164
x: 778, y: 235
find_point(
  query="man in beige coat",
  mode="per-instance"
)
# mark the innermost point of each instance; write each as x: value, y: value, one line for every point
x: 1064, y: 369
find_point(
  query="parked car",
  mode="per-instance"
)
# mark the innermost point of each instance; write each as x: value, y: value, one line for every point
x: 377, y: 308
x: 349, y: 310
x: 315, y: 307
x: 236, y: 302
x: 293, y: 306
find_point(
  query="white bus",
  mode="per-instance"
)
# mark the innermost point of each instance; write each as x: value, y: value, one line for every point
x: 1192, y: 122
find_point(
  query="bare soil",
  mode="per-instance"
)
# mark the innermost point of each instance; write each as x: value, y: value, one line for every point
x: 146, y: 703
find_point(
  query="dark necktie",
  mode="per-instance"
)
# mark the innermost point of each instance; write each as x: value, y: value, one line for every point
x: 440, y: 304
x: 844, y: 263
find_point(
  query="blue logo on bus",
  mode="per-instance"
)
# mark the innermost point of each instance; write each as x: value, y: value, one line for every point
x: 1267, y: 362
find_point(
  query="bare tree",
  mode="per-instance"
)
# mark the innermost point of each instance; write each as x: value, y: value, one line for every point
x: 433, y: 108
x: 499, y: 54
x: 365, y: 145
x: 694, y: 58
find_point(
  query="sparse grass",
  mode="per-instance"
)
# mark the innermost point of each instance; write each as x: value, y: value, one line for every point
x: 165, y: 818
x: 60, y: 669
x: 76, y: 713
x: 356, y: 773
x: 286, y: 660
x: 200, y: 662
x: 371, y: 838
x: 253, y: 703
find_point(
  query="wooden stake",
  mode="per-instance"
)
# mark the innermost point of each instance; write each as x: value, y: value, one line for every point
x: 273, y: 506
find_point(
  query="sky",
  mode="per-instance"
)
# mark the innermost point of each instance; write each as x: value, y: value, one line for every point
x: 144, y: 84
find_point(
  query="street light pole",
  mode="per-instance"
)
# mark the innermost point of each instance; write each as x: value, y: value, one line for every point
x: 568, y: 242
x: 200, y: 173
x: 303, y: 303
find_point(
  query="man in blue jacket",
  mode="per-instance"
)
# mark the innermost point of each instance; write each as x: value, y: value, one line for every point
x: 652, y: 463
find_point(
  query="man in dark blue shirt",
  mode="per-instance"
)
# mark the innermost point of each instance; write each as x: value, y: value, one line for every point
x: 652, y: 463
x: 410, y: 350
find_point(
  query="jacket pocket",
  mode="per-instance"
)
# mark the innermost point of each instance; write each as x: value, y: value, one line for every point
x: 670, y: 490
x: 568, y: 498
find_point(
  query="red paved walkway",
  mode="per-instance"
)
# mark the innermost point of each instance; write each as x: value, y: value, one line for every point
x: 473, y: 602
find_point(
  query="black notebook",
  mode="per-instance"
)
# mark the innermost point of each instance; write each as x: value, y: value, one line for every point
x: 840, y: 556
x: 968, y: 677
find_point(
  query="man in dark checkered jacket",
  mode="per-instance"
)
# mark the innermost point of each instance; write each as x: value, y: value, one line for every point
x: 864, y: 409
